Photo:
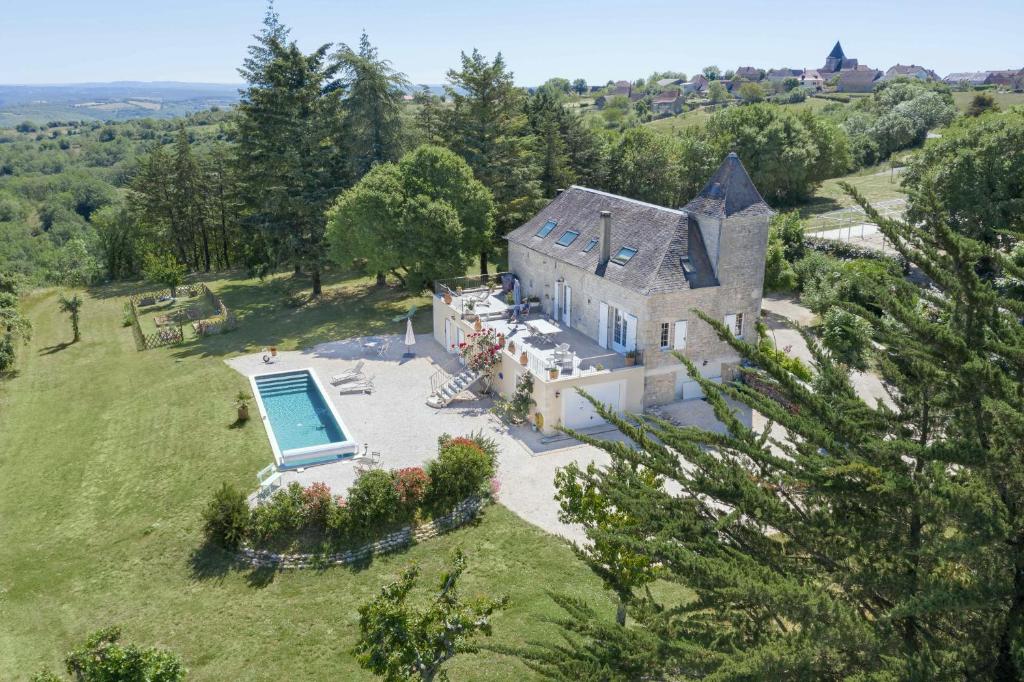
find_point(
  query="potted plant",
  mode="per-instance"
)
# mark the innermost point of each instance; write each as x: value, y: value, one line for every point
x: 273, y: 351
x: 447, y: 297
x: 552, y: 373
x: 242, y: 403
x: 630, y: 358
x: 512, y: 347
x: 523, y: 359
x: 477, y: 324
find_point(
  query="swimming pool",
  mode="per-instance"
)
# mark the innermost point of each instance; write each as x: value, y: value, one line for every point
x: 302, y: 424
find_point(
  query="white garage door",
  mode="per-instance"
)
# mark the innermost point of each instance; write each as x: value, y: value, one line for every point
x: 578, y: 413
x: 688, y: 389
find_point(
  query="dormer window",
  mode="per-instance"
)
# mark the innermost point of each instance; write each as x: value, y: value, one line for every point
x: 567, y: 238
x: 546, y: 228
x: 624, y: 255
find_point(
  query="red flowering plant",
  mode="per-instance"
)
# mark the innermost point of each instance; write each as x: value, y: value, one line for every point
x: 317, y: 501
x: 480, y: 350
x: 411, y: 484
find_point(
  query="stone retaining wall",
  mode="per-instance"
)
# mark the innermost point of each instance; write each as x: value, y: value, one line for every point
x: 463, y: 513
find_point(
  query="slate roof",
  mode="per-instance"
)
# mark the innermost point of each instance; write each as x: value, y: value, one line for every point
x: 970, y: 76
x: 837, y: 52
x: 663, y: 237
x: 859, y: 78
x: 783, y: 74
x: 729, y: 192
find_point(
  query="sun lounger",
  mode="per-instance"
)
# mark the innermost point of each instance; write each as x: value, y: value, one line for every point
x: 357, y: 386
x: 349, y: 374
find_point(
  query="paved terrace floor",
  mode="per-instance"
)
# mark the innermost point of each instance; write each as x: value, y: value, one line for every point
x: 395, y: 421
x: 588, y: 354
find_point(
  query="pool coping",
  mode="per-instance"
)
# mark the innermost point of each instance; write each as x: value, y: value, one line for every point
x: 314, y: 454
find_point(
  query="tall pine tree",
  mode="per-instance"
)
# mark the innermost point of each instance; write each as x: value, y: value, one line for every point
x: 290, y: 154
x: 488, y: 127
x: 842, y: 540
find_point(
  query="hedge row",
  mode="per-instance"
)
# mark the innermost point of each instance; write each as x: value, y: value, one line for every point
x: 847, y: 251
x: 377, y: 503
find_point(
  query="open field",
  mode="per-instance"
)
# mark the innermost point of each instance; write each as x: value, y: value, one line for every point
x: 700, y: 116
x: 877, y: 183
x: 1005, y: 100
x: 109, y: 455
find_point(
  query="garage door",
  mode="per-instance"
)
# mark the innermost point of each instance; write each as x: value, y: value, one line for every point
x: 578, y: 413
x: 688, y: 389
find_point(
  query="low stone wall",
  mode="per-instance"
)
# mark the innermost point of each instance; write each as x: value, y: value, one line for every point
x: 465, y: 512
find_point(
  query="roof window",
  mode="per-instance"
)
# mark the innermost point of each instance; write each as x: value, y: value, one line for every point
x: 567, y: 238
x: 546, y: 228
x: 624, y: 255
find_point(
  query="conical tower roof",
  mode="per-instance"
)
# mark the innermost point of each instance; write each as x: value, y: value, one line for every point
x: 837, y: 52
x: 729, y: 191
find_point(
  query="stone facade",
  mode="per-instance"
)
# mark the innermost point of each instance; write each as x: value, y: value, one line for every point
x: 738, y: 250
x: 463, y: 513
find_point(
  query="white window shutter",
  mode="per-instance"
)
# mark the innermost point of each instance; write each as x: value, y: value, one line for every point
x: 730, y: 323
x: 680, y: 339
x: 630, y: 332
x: 602, y: 325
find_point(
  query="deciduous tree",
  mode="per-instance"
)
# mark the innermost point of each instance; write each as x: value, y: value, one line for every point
x: 400, y: 642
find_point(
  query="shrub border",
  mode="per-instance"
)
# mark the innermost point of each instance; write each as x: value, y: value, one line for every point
x: 463, y: 513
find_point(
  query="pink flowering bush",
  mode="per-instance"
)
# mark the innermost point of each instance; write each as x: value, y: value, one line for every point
x: 411, y: 484
x: 317, y: 501
x: 480, y: 350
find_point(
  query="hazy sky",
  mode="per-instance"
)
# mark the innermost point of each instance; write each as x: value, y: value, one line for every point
x: 67, y: 41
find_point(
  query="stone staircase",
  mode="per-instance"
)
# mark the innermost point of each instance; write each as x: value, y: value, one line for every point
x: 455, y: 385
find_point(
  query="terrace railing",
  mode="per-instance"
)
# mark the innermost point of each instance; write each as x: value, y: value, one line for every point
x: 470, y: 283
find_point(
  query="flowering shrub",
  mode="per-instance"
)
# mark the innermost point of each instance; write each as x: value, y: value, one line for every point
x: 378, y: 502
x: 411, y: 484
x: 317, y: 502
x: 480, y: 350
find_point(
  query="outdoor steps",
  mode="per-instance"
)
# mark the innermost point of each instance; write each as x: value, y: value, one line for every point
x: 454, y: 386
x: 269, y: 386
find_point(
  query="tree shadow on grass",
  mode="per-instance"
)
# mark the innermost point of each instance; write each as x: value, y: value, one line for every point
x: 50, y: 350
x: 211, y: 562
x: 260, y: 576
x: 278, y: 311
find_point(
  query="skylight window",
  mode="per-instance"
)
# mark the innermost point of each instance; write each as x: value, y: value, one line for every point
x: 568, y: 237
x: 546, y: 228
x: 590, y: 245
x: 624, y: 254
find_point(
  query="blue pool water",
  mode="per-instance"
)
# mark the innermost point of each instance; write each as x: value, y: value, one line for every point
x: 297, y: 412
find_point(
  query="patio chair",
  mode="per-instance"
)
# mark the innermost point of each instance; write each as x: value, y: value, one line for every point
x: 349, y: 374
x: 269, y: 479
x: 384, y: 347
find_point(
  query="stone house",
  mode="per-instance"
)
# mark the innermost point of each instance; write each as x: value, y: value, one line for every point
x: 1006, y: 78
x: 750, y: 73
x: 910, y: 71
x: 618, y: 280
x: 972, y: 78
x: 811, y: 80
x: 861, y: 79
x: 670, y: 102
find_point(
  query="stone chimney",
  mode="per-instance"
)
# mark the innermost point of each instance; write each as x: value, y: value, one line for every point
x: 606, y: 237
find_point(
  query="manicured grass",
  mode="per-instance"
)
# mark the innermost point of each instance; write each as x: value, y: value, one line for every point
x: 877, y: 183
x: 1005, y: 100
x: 108, y: 456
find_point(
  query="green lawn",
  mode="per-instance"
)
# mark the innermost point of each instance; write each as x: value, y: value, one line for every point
x: 1005, y: 100
x: 109, y: 454
x: 877, y: 183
